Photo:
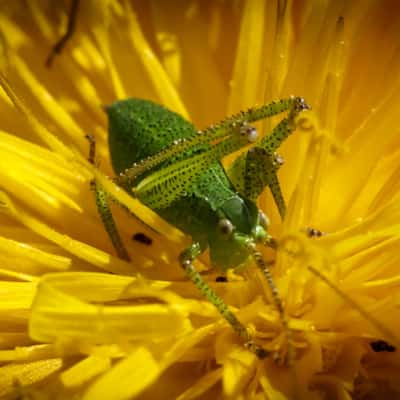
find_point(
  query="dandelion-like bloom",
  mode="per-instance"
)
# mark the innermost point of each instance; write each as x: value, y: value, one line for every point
x: 77, y: 322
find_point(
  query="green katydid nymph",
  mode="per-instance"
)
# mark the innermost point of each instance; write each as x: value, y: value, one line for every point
x: 175, y: 170
x: 160, y: 158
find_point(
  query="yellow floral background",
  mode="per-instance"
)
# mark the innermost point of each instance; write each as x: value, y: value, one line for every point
x: 76, y: 322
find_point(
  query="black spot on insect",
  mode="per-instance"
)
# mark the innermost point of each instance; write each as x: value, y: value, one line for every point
x: 221, y: 279
x: 142, y: 238
x: 380, y: 346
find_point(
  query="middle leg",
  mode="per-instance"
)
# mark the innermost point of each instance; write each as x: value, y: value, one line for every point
x: 103, y: 207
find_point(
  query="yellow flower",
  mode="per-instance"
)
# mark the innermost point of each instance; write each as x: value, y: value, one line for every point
x: 76, y: 322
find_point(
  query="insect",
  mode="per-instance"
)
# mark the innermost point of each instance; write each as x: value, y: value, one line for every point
x: 58, y: 47
x: 379, y: 346
x: 142, y: 238
x: 161, y: 159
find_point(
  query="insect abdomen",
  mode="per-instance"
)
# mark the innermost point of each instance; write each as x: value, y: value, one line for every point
x: 140, y: 128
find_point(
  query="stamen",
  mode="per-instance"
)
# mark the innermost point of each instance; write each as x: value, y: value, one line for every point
x: 388, y: 334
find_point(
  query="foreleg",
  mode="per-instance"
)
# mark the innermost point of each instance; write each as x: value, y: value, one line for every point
x: 186, y: 259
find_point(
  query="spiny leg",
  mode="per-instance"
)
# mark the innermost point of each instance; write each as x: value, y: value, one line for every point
x: 253, y: 171
x: 272, y: 181
x: 270, y: 144
x: 104, y: 210
x: 57, y: 48
x: 165, y: 185
x: 287, y: 126
x: 187, y: 257
x: 257, y: 168
x: 264, y: 267
x: 92, y: 148
x: 228, y: 127
x: 161, y: 188
x: 103, y: 207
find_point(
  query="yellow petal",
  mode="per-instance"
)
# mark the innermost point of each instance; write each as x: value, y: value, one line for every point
x: 127, y: 378
x: 84, y: 371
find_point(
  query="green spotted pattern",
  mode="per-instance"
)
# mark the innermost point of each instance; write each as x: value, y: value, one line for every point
x: 161, y: 188
x: 177, y: 172
x: 108, y: 220
x: 255, y: 169
x: 178, y: 141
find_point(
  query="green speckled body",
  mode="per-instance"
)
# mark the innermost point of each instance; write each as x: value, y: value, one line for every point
x: 177, y: 172
x: 139, y: 129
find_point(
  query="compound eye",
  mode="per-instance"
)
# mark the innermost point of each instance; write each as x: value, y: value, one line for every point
x: 225, y: 227
x: 263, y: 220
